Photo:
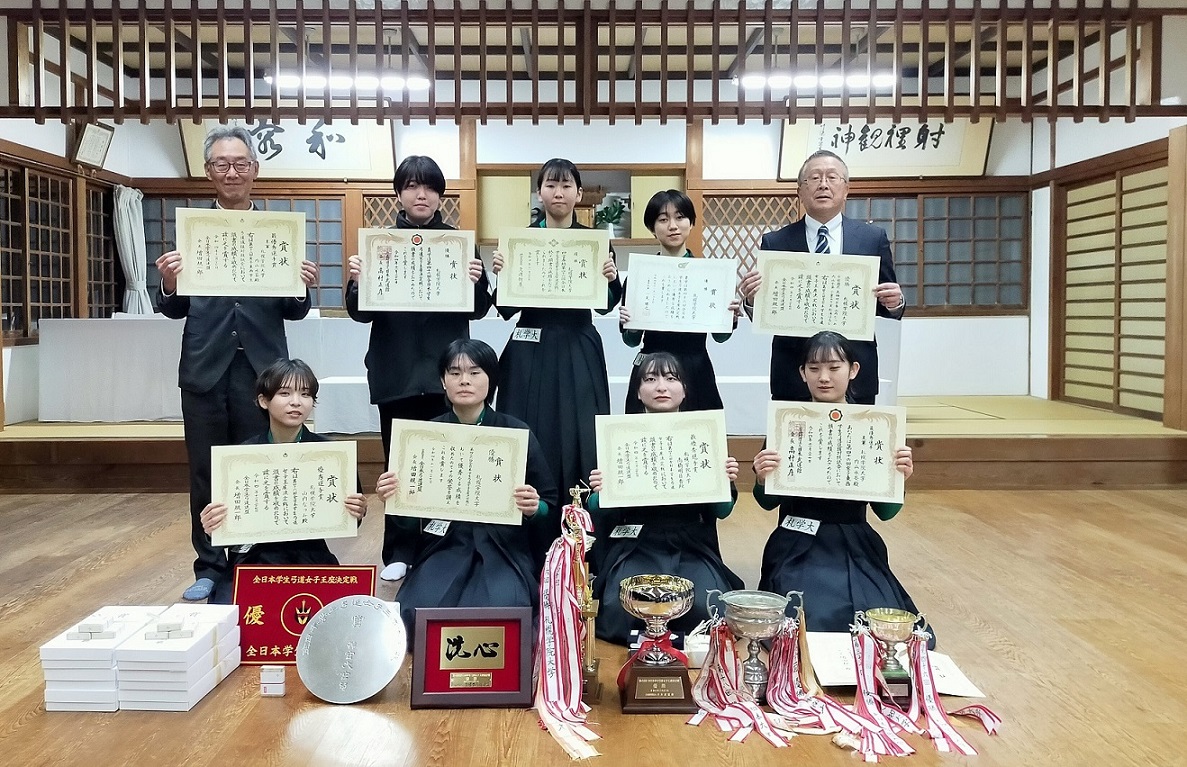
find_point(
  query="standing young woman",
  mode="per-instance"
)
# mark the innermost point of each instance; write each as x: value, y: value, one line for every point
x: 842, y: 565
x: 670, y: 216
x: 404, y: 347
x: 679, y: 540
x: 468, y: 564
x: 554, y: 366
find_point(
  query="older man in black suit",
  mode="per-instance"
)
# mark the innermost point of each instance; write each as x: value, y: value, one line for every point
x: 823, y: 189
x: 226, y: 342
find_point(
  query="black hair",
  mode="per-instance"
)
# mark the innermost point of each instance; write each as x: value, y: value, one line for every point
x: 558, y: 169
x: 660, y: 200
x: 284, y: 372
x: 478, y: 352
x: 658, y: 363
x: 816, y: 156
x: 419, y: 169
x: 826, y: 343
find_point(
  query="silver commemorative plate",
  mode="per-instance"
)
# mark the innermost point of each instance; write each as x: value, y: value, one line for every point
x: 351, y: 649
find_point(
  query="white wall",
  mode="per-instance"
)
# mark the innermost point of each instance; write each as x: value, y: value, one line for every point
x: 599, y: 142
x: 964, y: 355
x: 20, y: 384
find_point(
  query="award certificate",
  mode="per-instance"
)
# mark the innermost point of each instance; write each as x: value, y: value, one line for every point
x: 662, y: 459
x: 416, y: 270
x: 836, y: 451
x: 457, y: 472
x: 240, y: 253
x: 553, y: 268
x: 689, y: 295
x: 804, y: 293
x: 286, y: 492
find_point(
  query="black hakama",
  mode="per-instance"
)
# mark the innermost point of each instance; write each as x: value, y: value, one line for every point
x: 481, y: 565
x: 674, y: 540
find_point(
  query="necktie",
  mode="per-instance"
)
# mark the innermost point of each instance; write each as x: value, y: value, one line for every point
x: 822, y: 240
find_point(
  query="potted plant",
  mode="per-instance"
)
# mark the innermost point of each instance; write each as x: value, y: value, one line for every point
x: 610, y: 215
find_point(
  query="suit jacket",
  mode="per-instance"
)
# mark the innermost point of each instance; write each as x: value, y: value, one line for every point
x: 404, y: 347
x: 216, y: 326
x: 787, y: 352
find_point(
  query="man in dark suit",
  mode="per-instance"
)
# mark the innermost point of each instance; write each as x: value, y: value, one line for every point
x: 226, y: 343
x: 823, y: 189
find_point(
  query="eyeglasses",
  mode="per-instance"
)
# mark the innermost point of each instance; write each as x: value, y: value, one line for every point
x: 832, y: 179
x: 222, y: 166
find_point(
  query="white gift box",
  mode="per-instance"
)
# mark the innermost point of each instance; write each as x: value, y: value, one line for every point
x: 167, y: 700
x: 696, y: 647
x: 186, y: 616
x: 68, y: 695
x: 80, y: 675
x: 156, y: 679
x: 90, y: 664
x: 95, y: 624
x: 272, y: 674
x: 107, y: 708
x: 272, y: 690
x: 159, y: 656
x: 124, y: 621
x: 77, y: 684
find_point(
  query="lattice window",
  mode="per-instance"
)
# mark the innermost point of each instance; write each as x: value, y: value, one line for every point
x: 51, y: 248
x: 735, y: 224
x: 12, y: 252
x: 381, y: 211
x: 323, y: 237
x: 105, y: 280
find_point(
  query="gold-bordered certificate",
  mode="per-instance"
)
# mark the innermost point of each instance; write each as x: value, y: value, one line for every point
x: 662, y: 459
x: 553, y: 268
x: 804, y: 293
x: 688, y: 295
x: 457, y: 472
x: 287, y: 492
x: 240, y: 252
x: 836, y: 451
x: 421, y: 270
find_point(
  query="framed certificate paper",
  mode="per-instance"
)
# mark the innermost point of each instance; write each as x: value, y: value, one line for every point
x: 690, y: 295
x: 804, y: 293
x: 240, y: 252
x: 836, y: 451
x: 457, y: 472
x: 417, y: 270
x: 662, y: 459
x: 286, y: 492
x: 553, y: 268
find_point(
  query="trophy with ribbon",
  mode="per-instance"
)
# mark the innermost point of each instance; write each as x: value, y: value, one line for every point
x: 755, y: 616
x: 655, y: 679
x: 891, y: 627
x: 591, y: 686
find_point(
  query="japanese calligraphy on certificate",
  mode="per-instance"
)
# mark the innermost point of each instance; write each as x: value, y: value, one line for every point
x: 662, y: 459
x: 457, y: 472
x: 836, y: 451
x: 690, y: 295
x: 553, y: 268
x: 804, y: 293
x: 240, y: 252
x: 421, y: 270
x: 286, y: 492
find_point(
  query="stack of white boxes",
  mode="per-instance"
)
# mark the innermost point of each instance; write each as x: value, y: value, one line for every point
x: 80, y: 665
x: 178, y: 658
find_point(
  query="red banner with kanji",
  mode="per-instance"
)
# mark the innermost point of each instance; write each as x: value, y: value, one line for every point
x: 276, y: 603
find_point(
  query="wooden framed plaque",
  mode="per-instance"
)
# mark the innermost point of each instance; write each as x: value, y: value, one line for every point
x: 472, y: 657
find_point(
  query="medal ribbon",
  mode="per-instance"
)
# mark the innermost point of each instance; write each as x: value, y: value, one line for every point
x: 882, y: 740
x: 939, y: 726
x: 559, y: 644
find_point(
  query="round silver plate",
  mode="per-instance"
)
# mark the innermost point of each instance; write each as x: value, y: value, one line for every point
x: 351, y: 649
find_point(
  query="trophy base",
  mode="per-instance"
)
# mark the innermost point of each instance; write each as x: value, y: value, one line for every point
x: 898, y: 682
x: 591, y: 686
x: 657, y: 690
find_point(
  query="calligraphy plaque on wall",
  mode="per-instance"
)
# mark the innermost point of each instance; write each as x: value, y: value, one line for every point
x: 288, y: 149
x: 887, y: 148
x: 472, y: 656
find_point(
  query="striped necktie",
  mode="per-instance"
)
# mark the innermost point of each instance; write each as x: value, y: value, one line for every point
x: 822, y: 240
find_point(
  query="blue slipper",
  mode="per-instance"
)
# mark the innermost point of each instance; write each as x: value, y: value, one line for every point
x: 199, y: 591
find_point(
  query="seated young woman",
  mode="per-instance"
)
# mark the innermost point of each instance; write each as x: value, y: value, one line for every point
x: 843, y: 566
x: 469, y: 564
x: 675, y: 540
x: 287, y: 389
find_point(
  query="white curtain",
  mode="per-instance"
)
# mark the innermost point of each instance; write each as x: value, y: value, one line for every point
x: 129, y: 241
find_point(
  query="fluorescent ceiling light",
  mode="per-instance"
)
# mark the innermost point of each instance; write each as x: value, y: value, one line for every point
x: 364, y: 83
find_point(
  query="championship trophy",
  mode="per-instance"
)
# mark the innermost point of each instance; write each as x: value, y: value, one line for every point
x: 889, y: 627
x: 752, y: 615
x: 591, y: 687
x: 655, y: 679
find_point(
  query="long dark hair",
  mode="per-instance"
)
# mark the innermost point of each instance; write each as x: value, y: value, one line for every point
x: 478, y: 352
x: 657, y: 363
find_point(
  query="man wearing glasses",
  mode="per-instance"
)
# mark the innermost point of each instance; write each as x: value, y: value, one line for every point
x: 823, y: 190
x: 227, y: 341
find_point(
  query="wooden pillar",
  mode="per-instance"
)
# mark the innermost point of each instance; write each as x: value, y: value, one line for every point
x: 1174, y: 409
x: 468, y: 183
x: 694, y: 183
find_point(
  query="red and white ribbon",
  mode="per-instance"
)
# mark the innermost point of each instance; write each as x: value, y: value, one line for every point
x: 924, y: 696
x: 663, y: 644
x: 560, y: 640
x: 883, y: 740
x: 720, y: 693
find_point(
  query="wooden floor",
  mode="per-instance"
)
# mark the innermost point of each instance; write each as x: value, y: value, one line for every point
x: 1065, y: 607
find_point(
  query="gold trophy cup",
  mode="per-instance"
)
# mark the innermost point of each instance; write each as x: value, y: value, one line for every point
x: 891, y: 626
x: 657, y: 681
x: 752, y: 615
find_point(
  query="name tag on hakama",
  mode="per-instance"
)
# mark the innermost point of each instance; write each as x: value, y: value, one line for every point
x: 531, y: 335
x: 437, y: 527
x: 626, y: 531
x: 800, y: 525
